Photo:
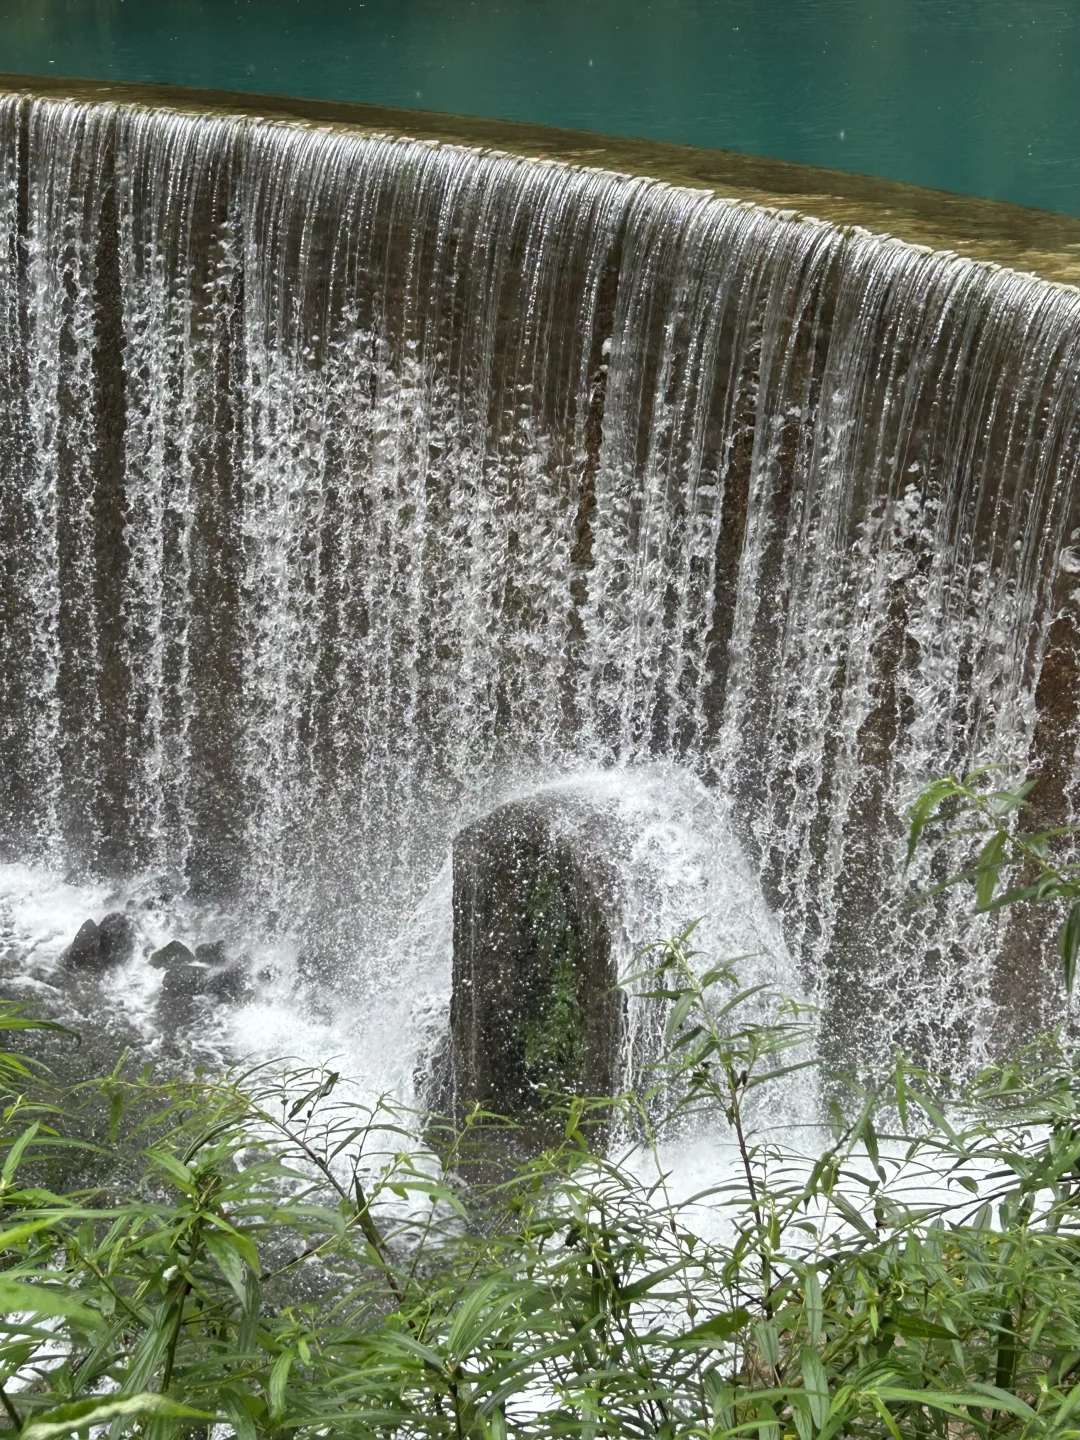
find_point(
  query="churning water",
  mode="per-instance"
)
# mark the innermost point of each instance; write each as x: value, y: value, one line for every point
x: 352, y: 485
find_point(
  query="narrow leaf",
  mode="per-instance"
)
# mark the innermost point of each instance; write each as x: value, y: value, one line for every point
x: 16, y: 1295
x: 228, y: 1262
x: 66, y: 1419
x: 989, y: 866
x: 15, y: 1154
x: 813, y: 1305
x: 1070, y: 946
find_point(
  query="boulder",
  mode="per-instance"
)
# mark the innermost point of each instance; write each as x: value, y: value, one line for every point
x: 182, y: 982
x: 98, y: 947
x: 535, y: 1004
x: 206, y: 972
x: 84, y: 952
x: 226, y: 982
x: 116, y: 938
x: 212, y: 953
x: 174, y: 953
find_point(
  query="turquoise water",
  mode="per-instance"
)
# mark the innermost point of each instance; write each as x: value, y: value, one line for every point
x: 977, y: 96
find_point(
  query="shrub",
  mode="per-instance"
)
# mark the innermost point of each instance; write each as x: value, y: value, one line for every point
x: 285, y: 1261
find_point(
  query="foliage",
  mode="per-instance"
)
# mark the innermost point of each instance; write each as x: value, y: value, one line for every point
x: 1012, y: 865
x: 286, y: 1262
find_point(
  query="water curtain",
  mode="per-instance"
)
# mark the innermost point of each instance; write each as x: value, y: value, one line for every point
x: 348, y: 480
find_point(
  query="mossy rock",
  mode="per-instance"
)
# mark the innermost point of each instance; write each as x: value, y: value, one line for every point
x: 535, y: 1006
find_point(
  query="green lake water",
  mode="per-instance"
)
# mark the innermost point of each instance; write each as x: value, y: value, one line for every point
x: 976, y: 96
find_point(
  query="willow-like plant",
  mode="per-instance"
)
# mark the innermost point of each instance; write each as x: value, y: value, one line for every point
x: 1010, y: 864
x: 282, y: 1261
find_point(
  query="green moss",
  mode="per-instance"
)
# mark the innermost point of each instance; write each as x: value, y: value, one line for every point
x: 550, y: 1030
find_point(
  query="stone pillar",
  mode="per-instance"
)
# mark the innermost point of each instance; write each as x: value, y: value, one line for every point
x: 535, y: 1002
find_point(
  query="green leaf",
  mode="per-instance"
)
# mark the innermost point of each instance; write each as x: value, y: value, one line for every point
x: 1067, y: 1408
x: 813, y: 1305
x: 496, y: 1425
x: 958, y: 1402
x: 243, y: 1244
x: 768, y: 1427
x: 805, y: 1425
x: 989, y: 866
x: 279, y: 1378
x: 768, y: 1341
x: 227, y: 1260
x: 721, y: 1399
x: 15, y: 1154
x: 18, y: 1233
x: 921, y: 812
x: 1010, y: 897
x: 816, y: 1384
x: 852, y: 1216
x: 642, y: 1287
x: 1070, y: 946
x: 16, y: 1295
x: 882, y: 1409
x: 719, y: 1328
x: 66, y: 1419
x: 915, y: 1327
x: 175, y: 1169
x: 1004, y: 1400
x: 240, y: 1406
x: 679, y: 1012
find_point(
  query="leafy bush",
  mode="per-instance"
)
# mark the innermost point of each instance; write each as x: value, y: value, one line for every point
x: 286, y: 1262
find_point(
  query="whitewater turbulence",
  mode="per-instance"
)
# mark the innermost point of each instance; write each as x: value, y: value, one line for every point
x: 351, y: 485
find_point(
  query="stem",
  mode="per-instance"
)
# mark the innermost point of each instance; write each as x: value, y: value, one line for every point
x: 174, y: 1338
x: 363, y: 1214
x: 735, y: 1085
x: 684, y: 1278
x: 374, y: 1238
x: 103, y: 1279
x: 457, y: 1408
x: 744, y: 1151
x: 12, y: 1414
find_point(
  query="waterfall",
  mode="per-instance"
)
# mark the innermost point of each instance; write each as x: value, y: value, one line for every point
x: 351, y: 483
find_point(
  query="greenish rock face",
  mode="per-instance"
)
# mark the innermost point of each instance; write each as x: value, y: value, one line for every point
x: 550, y: 1030
x: 535, y: 1004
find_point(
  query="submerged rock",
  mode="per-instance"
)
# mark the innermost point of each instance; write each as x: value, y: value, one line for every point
x: 174, y: 953
x: 534, y: 1004
x: 116, y: 938
x: 98, y: 947
x: 206, y: 972
x: 227, y: 982
x: 212, y: 953
x: 84, y: 952
x: 182, y: 982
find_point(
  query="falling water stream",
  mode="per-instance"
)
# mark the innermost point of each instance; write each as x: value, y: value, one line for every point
x: 352, y: 485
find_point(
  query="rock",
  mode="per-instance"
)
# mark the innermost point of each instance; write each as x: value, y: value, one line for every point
x: 206, y: 972
x: 212, y: 954
x: 84, y: 952
x: 534, y: 1000
x: 174, y: 953
x: 182, y: 982
x: 116, y: 939
x: 228, y: 982
x: 97, y: 947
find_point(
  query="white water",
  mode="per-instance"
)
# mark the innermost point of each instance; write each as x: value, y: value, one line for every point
x: 351, y: 485
x: 386, y: 1011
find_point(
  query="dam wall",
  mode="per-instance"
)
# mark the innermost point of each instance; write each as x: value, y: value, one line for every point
x: 350, y: 480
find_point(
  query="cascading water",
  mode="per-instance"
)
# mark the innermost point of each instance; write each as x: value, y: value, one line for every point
x: 352, y: 484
